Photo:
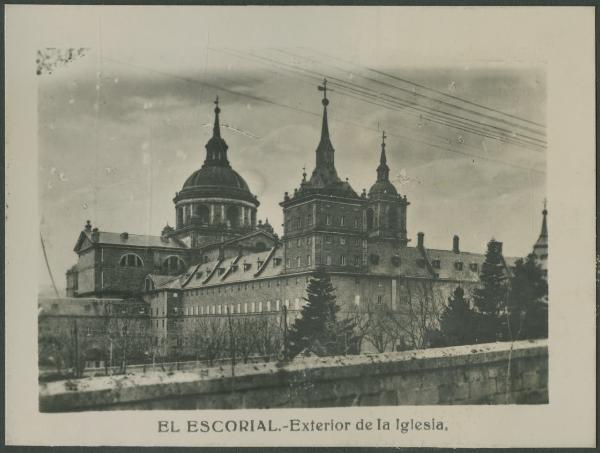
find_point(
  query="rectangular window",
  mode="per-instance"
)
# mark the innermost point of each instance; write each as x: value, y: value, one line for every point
x: 343, y: 260
x: 298, y: 242
x: 328, y: 239
x: 473, y: 267
x: 252, y: 306
x: 342, y: 221
x: 289, y: 263
x: 343, y: 241
x: 328, y: 220
x: 356, y: 223
x: 436, y: 264
x: 357, y: 260
x: 458, y: 265
x: 277, y: 305
x: 268, y: 305
x: 379, y: 299
x: 298, y: 261
x: 308, y: 260
x: 309, y: 220
x: 328, y: 259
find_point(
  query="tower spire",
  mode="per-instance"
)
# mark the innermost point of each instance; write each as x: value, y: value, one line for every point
x: 216, y: 127
x: 383, y: 171
x: 325, y: 102
x: 216, y: 148
x: 544, y: 232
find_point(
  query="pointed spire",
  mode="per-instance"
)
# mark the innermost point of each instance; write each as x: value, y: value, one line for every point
x: 544, y: 232
x: 325, y: 102
x: 324, y: 173
x: 383, y: 171
x: 216, y: 148
x: 216, y: 127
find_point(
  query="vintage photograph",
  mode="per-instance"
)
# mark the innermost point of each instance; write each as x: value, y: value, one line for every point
x: 224, y: 227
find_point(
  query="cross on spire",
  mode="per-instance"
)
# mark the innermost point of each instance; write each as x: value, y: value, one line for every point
x: 383, y: 137
x: 217, y: 109
x: 323, y: 88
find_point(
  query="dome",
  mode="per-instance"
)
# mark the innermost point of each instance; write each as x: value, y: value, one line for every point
x: 383, y: 188
x: 216, y: 181
x: 216, y: 176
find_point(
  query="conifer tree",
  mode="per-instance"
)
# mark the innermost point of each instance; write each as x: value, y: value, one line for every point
x: 490, y: 297
x: 458, y: 322
x: 527, y: 302
x: 317, y: 328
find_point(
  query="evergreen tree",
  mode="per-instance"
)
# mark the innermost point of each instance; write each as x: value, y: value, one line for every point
x: 458, y: 320
x: 490, y: 297
x: 527, y: 302
x: 317, y: 328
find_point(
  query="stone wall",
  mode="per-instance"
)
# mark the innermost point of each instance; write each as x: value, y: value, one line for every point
x: 473, y: 374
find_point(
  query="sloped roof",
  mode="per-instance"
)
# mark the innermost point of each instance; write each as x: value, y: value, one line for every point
x: 138, y: 240
x: 448, y: 260
x: 239, y: 272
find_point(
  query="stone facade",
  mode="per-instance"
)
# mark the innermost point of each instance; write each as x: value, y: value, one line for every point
x: 218, y: 258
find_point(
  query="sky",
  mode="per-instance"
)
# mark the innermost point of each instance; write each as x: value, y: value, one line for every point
x: 121, y: 127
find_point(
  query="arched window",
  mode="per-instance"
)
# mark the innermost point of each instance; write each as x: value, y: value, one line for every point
x: 201, y: 214
x: 393, y: 216
x: 148, y: 284
x: 173, y: 265
x: 130, y: 260
x: 370, y: 216
x: 179, y: 216
x: 232, y: 216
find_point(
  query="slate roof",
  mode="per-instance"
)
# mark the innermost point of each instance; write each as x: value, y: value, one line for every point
x: 235, y: 269
x: 137, y: 240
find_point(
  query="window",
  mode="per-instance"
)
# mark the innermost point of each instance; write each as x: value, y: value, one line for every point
x: 328, y: 239
x: 268, y: 305
x: 131, y: 260
x: 173, y: 264
x: 298, y: 241
x: 370, y: 218
x: 343, y: 241
x: 298, y: 262
x: 356, y: 223
x: 328, y: 259
x: 308, y: 260
x: 356, y: 241
x: 289, y: 262
x: 379, y: 299
x: 357, y: 260
x: 436, y: 264
x: 474, y: 267
x: 342, y: 221
x: 343, y: 260
x: 458, y: 266
x: 328, y: 220
x: 309, y: 220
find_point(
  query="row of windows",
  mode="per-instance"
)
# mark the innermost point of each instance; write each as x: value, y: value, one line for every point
x: 329, y: 239
x: 246, y: 307
x: 171, y: 263
x: 458, y: 265
x: 247, y: 286
x: 342, y: 260
x: 298, y: 222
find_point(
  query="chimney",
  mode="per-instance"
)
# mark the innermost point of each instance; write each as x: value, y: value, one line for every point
x: 88, y: 226
x: 455, y: 247
x: 125, y: 235
x: 420, y: 240
x: 95, y: 235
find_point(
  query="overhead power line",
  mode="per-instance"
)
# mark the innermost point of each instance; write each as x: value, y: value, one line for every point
x: 305, y: 111
x: 433, y: 90
x: 450, y: 119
